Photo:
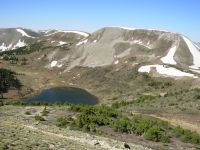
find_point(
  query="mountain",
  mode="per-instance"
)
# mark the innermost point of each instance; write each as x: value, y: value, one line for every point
x: 61, y: 37
x: 147, y: 80
x: 117, y: 45
x: 153, y: 51
x: 13, y: 38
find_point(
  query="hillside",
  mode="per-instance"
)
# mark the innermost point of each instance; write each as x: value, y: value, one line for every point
x: 148, y: 81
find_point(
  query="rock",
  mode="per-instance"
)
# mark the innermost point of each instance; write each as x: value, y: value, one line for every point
x: 36, y: 123
x: 126, y: 146
x: 97, y: 143
x: 51, y: 146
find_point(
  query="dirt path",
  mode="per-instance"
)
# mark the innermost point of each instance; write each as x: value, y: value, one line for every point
x: 102, y: 144
x: 86, y: 140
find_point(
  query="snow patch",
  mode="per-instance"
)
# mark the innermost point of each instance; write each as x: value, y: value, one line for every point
x: 60, y: 65
x: 82, y: 42
x: 61, y: 43
x: 169, y: 58
x: 3, y: 47
x: 94, y: 41
x: 195, y: 53
x: 116, y: 62
x: 140, y: 43
x: 128, y: 28
x: 77, y: 32
x: 73, y: 31
x: 23, y: 33
x: 19, y: 44
x: 197, y: 45
x: 169, y: 71
x: 196, y: 71
x: 54, y: 63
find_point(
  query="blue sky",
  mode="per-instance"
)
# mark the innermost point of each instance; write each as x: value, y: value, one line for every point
x: 181, y: 16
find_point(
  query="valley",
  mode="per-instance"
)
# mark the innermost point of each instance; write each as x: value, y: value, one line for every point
x: 145, y: 73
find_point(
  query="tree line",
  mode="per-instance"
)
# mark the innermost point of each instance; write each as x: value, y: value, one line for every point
x: 7, y: 80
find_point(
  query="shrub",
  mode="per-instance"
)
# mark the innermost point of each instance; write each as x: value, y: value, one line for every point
x: 187, y: 135
x: 28, y: 113
x: 45, y: 112
x: 39, y: 118
x: 62, y: 122
x: 157, y: 135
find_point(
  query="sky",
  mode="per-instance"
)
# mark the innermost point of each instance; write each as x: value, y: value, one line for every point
x: 182, y: 16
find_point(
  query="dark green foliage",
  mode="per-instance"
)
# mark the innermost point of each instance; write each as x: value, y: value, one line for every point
x: 138, y: 100
x: 138, y: 125
x: 159, y: 85
x: 187, y: 135
x: 62, y: 122
x: 12, y: 58
x: 103, y: 109
x: 132, y: 59
x: 34, y: 103
x: 39, y: 118
x: 93, y: 115
x: 157, y: 135
x: 197, y: 97
x: 24, y: 61
x: 7, y: 80
x: 28, y: 113
x: 22, y: 50
x: 89, y: 118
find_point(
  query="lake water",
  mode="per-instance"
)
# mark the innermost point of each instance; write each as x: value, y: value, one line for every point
x: 65, y: 94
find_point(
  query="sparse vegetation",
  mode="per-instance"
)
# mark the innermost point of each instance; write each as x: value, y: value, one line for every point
x: 28, y: 113
x: 45, y: 111
x: 141, y: 99
x: 187, y: 135
x: 39, y: 118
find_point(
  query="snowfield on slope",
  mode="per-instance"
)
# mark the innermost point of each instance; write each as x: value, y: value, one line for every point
x: 169, y: 58
x: 54, y: 63
x: 169, y: 71
x: 195, y: 53
x: 3, y: 47
x: 128, y: 28
x: 140, y: 43
x: 23, y: 33
x: 61, y: 43
x: 82, y: 42
x: 62, y: 31
x: 19, y: 44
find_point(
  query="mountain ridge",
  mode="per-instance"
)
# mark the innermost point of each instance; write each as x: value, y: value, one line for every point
x: 112, y: 46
